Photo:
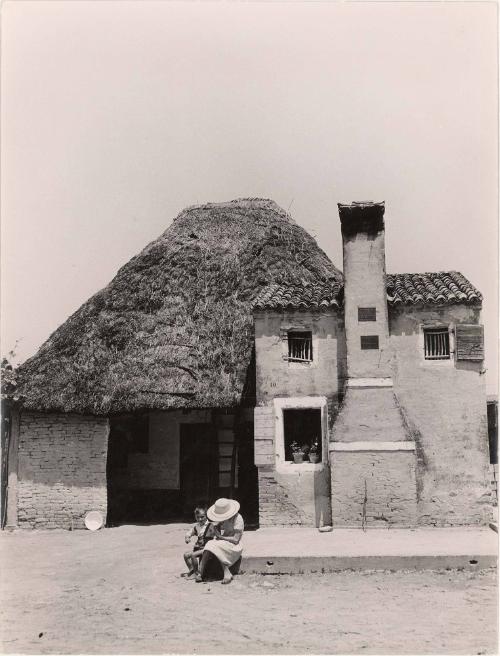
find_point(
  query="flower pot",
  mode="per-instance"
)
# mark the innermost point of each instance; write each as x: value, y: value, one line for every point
x: 298, y: 457
x: 313, y: 457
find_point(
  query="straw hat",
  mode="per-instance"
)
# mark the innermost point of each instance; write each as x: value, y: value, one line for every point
x: 223, y: 509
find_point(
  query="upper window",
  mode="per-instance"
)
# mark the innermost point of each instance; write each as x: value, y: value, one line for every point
x: 367, y: 314
x: 436, y: 343
x: 300, y: 347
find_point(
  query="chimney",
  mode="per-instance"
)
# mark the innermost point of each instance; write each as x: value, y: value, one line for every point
x: 365, y: 297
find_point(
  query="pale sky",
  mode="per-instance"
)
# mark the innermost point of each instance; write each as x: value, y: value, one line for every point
x: 117, y: 115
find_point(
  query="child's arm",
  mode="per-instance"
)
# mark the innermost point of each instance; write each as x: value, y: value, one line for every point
x: 189, y: 534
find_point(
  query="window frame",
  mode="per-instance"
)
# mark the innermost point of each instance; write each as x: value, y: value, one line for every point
x: 308, y: 336
x: 299, y: 403
x: 439, y: 325
x: 438, y: 330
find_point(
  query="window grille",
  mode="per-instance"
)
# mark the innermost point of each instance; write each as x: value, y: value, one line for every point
x: 300, y: 348
x: 437, y: 343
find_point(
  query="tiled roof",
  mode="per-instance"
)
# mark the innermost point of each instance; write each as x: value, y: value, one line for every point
x: 300, y: 295
x: 441, y: 288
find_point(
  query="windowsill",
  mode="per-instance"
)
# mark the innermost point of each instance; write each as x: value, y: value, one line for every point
x: 289, y: 467
x: 438, y: 363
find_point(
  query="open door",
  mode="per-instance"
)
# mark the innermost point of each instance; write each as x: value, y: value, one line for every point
x: 197, y: 466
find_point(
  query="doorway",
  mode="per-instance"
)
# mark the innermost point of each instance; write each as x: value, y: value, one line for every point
x: 197, y: 467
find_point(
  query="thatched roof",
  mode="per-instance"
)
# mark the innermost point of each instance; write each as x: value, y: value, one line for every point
x: 174, y: 328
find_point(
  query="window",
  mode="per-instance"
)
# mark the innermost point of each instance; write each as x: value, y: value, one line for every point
x: 369, y: 342
x: 302, y: 426
x: 367, y: 314
x: 437, y: 343
x: 300, y: 348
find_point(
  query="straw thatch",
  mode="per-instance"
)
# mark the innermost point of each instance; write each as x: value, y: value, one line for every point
x: 174, y: 328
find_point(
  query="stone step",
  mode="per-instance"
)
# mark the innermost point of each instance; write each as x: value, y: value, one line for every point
x: 298, y: 550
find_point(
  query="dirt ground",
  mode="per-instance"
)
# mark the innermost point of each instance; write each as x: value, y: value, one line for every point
x: 119, y: 591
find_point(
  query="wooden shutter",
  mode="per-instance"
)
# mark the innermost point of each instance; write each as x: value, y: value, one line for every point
x: 469, y: 342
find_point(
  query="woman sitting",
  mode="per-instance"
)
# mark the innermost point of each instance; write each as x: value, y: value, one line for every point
x: 225, y: 546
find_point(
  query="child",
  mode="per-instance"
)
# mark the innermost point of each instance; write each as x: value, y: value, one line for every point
x: 203, y: 531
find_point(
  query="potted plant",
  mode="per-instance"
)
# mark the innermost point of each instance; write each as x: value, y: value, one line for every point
x: 297, y: 452
x: 314, y: 451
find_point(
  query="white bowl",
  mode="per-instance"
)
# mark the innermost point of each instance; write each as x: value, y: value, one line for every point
x: 94, y: 520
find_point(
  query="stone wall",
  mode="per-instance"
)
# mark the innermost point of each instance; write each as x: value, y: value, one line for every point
x: 444, y: 403
x: 61, y: 469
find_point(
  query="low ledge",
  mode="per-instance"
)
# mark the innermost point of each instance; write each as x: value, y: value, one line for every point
x: 369, y: 382
x: 372, y: 446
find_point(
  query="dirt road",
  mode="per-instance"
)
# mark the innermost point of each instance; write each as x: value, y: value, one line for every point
x: 119, y: 591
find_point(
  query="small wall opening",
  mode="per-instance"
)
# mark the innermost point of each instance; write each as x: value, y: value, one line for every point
x: 302, y: 426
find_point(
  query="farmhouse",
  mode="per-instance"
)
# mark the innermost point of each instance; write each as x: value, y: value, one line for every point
x: 232, y: 358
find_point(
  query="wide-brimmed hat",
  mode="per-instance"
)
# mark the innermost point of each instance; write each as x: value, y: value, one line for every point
x: 223, y: 509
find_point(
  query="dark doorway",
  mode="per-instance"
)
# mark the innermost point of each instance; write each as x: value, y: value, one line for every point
x: 492, y: 408
x: 197, y: 466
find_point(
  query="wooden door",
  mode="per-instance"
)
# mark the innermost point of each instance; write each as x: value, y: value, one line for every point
x: 196, y: 466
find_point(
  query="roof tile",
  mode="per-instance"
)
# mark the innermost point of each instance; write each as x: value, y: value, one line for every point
x: 438, y: 288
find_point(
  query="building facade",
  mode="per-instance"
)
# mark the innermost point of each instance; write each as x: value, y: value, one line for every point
x: 375, y: 381
x: 392, y: 382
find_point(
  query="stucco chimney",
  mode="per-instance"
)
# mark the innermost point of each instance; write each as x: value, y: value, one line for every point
x: 365, y: 298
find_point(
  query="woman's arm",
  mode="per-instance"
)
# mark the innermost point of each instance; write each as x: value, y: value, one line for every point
x: 233, y: 539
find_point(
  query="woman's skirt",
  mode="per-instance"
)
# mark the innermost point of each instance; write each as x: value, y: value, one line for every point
x: 227, y: 552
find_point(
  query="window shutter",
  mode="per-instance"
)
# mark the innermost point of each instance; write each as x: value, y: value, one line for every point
x: 469, y: 342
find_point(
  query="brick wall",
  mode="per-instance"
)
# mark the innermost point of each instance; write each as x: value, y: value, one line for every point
x: 444, y: 403
x: 373, y: 488
x: 298, y: 497
x: 61, y: 469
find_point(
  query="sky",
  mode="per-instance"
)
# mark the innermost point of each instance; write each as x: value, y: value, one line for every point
x: 117, y: 115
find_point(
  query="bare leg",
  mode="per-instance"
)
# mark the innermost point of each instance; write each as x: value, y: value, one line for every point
x: 195, y: 559
x: 189, y: 562
x: 228, y: 577
x: 203, y: 564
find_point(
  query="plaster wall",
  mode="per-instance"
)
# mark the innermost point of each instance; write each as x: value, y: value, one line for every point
x: 364, y: 286
x: 444, y: 404
x: 276, y: 377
